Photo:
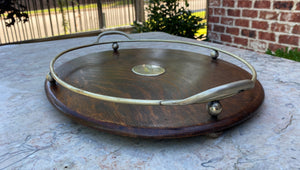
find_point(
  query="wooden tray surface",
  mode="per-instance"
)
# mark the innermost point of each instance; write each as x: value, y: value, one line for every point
x: 186, y: 74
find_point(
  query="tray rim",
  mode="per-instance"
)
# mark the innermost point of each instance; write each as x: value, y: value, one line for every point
x: 211, y: 95
x: 154, y: 133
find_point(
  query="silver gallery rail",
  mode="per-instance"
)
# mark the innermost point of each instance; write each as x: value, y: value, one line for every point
x: 211, y: 95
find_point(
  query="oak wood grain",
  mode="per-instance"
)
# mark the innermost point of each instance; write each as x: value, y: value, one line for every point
x: 186, y: 74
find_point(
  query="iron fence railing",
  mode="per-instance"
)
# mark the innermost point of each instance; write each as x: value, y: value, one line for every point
x: 194, y: 6
x: 60, y: 17
x: 51, y: 18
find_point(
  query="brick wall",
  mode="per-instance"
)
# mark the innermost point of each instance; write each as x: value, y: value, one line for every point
x: 255, y: 24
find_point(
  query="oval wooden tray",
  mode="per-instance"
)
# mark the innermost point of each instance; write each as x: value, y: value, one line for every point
x: 186, y: 74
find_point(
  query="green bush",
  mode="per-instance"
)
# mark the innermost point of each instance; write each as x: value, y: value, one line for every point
x: 167, y: 16
x: 13, y: 11
x: 293, y: 54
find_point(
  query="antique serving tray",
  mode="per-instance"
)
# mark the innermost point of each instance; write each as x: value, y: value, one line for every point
x: 153, y: 92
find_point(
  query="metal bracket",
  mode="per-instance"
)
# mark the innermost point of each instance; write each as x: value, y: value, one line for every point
x: 214, y: 54
x: 214, y: 108
x: 50, y: 78
x: 214, y: 94
x: 115, y: 46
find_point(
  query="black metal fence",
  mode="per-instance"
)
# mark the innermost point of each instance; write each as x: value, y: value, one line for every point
x: 49, y: 18
x: 59, y: 17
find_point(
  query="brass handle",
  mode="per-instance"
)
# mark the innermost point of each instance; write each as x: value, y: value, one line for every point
x: 212, y: 95
x: 112, y: 33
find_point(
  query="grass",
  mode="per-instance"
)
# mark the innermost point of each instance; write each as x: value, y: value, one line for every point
x: 40, y: 11
x: 202, y: 31
x: 293, y: 54
x: 88, y: 6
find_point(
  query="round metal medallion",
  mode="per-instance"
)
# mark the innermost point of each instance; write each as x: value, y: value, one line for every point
x: 148, y: 70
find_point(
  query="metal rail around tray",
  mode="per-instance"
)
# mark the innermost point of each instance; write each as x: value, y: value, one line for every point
x: 211, y: 95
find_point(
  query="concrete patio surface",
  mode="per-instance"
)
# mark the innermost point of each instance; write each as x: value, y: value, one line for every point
x: 34, y: 135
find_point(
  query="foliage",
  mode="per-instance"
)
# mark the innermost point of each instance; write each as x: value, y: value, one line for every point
x: 169, y: 17
x: 65, y: 23
x: 202, y: 32
x: 13, y: 10
x: 293, y: 54
x: 118, y: 3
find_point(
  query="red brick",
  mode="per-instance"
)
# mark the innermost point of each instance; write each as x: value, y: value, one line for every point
x: 244, y: 48
x: 228, y: 3
x: 216, y: 3
x: 227, y: 21
x: 296, y: 29
x: 250, y: 13
x: 262, y: 4
x: 291, y: 17
x: 210, y: 11
x: 209, y: 27
x: 280, y: 27
x: 298, y: 6
x: 267, y: 36
x: 274, y: 47
x: 213, y: 36
x: 234, y: 12
x: 218, y: 28
x: 234, y: 31
x: 226, y: 38
x: 241, y: 41
x: 244, y: 3
x: 257, y: 45
x: 283, y: 5
x: 260, y: 25
x: 232, y: 45
x: 289, y: 39
x: 219, y: 11
x: 212, y: 19
x: 293, y: 48
x: 248, y: 33
x: 217, y: 42
x: 268, y: 15
x: 242, y: 22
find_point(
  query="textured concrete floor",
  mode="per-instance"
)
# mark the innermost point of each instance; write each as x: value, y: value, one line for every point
x: 34, y: 135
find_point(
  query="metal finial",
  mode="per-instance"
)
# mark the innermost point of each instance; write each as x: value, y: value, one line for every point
x: 50, y: 78
x: 115, y: 46
x: 214, y: 108
x: 214, y: 54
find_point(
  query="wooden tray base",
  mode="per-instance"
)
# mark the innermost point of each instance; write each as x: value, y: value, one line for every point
x: 186, y: 74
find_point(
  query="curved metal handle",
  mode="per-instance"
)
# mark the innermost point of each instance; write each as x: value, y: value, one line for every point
x: 213, y: 94
x: 111, y: 33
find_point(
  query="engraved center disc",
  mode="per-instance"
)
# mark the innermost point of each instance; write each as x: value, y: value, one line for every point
x: 148, y: 70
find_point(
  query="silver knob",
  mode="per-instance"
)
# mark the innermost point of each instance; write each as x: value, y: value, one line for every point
x: 214, y: 108
x: 214, y: 54
x: 49, y: 78
x: 115, y: 46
